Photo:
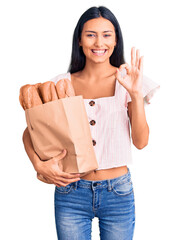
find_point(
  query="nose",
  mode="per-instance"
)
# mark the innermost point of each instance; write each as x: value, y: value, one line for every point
x: 99, y: 42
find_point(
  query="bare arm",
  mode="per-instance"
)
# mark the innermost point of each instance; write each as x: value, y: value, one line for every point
x: 133, y: 83
x: 49, y: 169
x: 29, y: 149
x: 139, y: 126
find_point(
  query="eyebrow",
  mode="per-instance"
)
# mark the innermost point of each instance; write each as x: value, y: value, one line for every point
x: 103, y: 31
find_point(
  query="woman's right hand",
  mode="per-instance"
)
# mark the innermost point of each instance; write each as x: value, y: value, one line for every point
x: 52, y: 171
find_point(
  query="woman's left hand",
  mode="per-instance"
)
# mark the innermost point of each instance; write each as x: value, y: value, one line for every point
x: 132, y: 81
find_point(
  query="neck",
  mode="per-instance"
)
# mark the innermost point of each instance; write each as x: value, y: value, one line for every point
x: 96, y: 71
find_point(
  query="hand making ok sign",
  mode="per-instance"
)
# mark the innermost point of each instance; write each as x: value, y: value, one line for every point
x: 132, y: 81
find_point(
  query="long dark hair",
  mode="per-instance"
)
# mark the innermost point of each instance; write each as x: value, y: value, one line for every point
x: 78, y: 58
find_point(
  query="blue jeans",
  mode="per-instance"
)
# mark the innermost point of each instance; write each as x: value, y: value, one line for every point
x: 110, y: 200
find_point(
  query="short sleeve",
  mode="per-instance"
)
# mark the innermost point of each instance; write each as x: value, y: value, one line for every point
x: 148, y: 89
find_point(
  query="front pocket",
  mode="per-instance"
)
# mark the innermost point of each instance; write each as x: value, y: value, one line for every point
x: 64, y: 190
x: 123, y: 189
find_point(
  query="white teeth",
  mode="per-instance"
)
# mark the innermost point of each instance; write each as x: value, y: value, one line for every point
x: 96, y: 51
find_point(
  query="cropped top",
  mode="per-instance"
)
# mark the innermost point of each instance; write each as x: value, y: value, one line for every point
x: 109, y: 123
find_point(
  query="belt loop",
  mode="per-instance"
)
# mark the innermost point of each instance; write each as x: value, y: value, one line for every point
x: 109, y: 185
x: 75, y: 185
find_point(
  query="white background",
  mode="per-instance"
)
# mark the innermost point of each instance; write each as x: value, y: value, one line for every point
x: 36, y: 40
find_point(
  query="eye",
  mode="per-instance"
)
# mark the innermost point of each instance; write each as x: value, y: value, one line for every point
x: 107, y: 35
x: 91, y: 35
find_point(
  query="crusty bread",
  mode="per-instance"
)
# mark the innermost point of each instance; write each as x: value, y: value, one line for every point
x: 64, y: 88
x: 39, y: 93
x: 47, y: 91
x: 29, y: 96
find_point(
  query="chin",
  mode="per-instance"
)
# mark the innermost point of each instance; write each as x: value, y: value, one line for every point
x: 100, y: 61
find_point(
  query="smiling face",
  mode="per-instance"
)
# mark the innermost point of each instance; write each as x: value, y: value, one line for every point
x: 98, y: 39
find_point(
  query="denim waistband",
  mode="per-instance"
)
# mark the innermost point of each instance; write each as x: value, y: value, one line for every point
x: 102, y: 183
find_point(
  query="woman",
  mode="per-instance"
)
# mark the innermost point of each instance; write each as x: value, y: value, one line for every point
x: 112, y: 101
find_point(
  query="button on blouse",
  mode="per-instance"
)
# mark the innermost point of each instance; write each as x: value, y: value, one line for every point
x: 92, y: 103
x: 92, y: 122
x: 94, y: 142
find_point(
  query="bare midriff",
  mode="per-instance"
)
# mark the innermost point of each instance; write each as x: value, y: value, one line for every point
x: 104, y: 174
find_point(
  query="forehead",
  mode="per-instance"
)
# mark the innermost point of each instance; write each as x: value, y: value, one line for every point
x: 98, y: 25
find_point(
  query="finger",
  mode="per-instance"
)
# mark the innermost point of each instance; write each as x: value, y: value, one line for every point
x: 61, y: 184
x: 65, y: 183
x: 57, y: 185
x: 44, y: 179
x: 64, y: 179
x: 70, y: 175
x: 133, y: 56
x: 137, y: 58
x: 60, y: 174
x: 141, y: 62
x: 126, y: 66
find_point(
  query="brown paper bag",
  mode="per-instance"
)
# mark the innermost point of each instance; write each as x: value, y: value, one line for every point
x: 60, y: 124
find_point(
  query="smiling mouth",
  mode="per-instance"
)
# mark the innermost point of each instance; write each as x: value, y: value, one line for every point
x: 100, y: 52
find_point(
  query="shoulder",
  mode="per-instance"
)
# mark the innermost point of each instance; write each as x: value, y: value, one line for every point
x: 61, y: 76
